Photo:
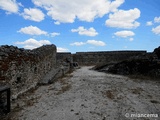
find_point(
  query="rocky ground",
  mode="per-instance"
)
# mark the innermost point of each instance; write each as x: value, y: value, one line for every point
x: 90, y: 95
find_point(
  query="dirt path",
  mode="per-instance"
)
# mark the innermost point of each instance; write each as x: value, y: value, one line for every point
x: 89, y: 95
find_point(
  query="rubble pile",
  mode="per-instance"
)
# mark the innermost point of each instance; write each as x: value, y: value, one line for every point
x: 147, y: 65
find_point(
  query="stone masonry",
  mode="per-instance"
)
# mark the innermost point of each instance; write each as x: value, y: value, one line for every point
x: 103, y: 57
x: 22, y: 69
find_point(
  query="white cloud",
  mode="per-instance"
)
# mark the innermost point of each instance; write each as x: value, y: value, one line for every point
x: 83, y: 31
x: 57, y: 23
x: 149, y: 23
x: 131, y: 39
x: 59, y: 49
x: 124, y: 19
x: 66, y: 11
x: 124, y: 33
x: 156, y: 30
x: 54, y: 34
x: 32, y: 30
x: 32, y: 43
x: 96, y: 43
x: 115, y: 4
x: 33, y: 14
x: 92, y: 42
x: 157, y: 19
x: 77, y: 44
x: 10, y: 6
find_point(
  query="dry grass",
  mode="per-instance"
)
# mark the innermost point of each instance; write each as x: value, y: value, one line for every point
x: 64, y: 89
x: 144, y: 77
x: 64, y: 81
x: 109, y: 94
x: 137, y: 90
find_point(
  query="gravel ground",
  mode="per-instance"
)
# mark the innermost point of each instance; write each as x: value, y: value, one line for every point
x: 90, y: 95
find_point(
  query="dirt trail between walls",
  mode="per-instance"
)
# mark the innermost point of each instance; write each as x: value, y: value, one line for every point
x: 90, y: 95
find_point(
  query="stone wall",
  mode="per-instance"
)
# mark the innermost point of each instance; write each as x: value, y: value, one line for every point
x: 94, y: 58
x: 63, y: 57
x: 22, y: 69
x: 63, y: 61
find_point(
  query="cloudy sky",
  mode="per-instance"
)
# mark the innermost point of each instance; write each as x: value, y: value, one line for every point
x: 81, y: 25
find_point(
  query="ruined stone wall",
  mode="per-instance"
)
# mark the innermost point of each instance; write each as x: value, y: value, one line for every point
x: 63, y: 57
x: 63, y: 61
x: 94, y: 58
x: 23, y: 69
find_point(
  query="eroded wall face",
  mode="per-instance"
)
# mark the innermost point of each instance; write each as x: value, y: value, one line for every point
x: 23, y: 69
x: 64, y: 57
x: 94, y: 58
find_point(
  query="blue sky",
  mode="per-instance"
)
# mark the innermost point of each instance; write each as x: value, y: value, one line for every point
x: 81, y: 25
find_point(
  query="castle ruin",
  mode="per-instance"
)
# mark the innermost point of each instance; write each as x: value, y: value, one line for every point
x: 23, y: 69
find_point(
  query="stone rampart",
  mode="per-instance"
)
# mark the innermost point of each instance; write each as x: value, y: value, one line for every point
x: 63, y: 61
x: 22, y: 69
x: 94, y: 58
x: 64, y: 57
